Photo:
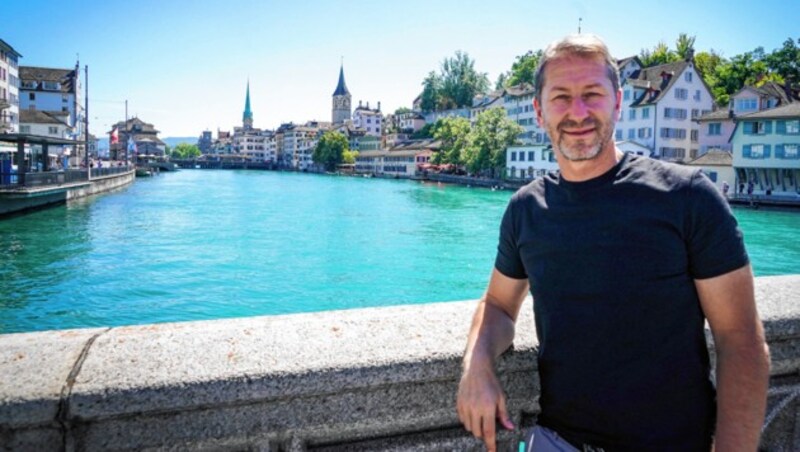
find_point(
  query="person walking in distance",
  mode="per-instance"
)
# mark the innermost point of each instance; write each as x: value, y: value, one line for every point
x: 626, y: 257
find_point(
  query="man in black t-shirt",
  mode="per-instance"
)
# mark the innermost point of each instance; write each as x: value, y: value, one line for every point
x: 625, y: 257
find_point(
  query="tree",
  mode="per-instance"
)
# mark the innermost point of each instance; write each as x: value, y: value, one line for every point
x: 332, y: 150
x: 501, y: 80
x: 431, y: 92
x: 425, y: 132
x: 523, y: 69
x: 460, y: 81
x: 684, y: 46
x: 488, y: 140
x: 453, y: 132
x: 661, y: 54
x: 402, y: 110
x: 785, y: 61
x: 185, y: 151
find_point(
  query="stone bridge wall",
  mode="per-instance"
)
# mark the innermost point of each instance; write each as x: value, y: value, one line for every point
x: 369, y: 379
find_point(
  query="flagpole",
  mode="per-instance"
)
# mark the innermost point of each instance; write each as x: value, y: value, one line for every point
x: 86, y: 117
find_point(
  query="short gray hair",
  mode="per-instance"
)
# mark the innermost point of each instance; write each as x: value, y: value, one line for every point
x: 583, y: 46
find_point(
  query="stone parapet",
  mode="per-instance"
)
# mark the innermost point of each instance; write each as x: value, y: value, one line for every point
x: 369, y: 379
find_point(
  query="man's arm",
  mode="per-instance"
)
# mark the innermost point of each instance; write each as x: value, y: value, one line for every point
x: 728, y: 302
x: 480, y: 397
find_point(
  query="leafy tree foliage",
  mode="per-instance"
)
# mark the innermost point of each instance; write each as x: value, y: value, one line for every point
x: 332, y: 150
x: 661, y: 54
x: 402, y: 110
x: 454, y: 135
x: 455, y: 86
x: 684, y: 46
x: 488, y: 140
x: 431, y: 92
x: 785, y: 62
x: 425, y: 132
x: 184, y: 151
x: 523, y: 69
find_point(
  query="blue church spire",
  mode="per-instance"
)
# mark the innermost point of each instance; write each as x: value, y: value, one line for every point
x: 341, y: 88
x: 248, y: 115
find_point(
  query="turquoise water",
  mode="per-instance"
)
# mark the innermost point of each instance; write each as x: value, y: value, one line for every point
x: 211, y: 244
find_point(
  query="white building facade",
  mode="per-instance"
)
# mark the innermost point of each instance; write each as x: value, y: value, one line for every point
x: 9, y: 88
x: 659, y: 105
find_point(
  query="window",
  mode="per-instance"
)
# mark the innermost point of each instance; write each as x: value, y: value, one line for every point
x: 52, y: 130
x: 631, y: 134
x: 618, y: 135
x: 746, y: 105
x: 715, y: 128
x: 697, y: 95
x: 24, y: 129
x: 693, y: 136
x: 31, y: 96
x: 675, y: 113
x: 756, y: 151
x: 631, y: 114
x: 626, y: 95
x: 757, y: 127
x: 681, y: 93
x: 667, y: 132
x: 695, y: 113
x: 530, y: 156
x: 787, y: 151
x: 789, y: 127
x: 672, y: 153
x: 513, y: 156
x: 688, y: 76
x: 645, y: 112
x: 645, y: 132
x: 521, y: 156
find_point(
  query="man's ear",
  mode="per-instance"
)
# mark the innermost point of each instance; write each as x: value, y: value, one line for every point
x: 619, y: 103
x: 538, y: 109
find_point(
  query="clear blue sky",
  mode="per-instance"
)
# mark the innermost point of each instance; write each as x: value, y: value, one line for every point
x: 184, y: 65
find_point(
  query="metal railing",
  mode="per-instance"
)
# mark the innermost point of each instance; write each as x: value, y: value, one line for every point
x: 109, y: 171
x: 41, y: 179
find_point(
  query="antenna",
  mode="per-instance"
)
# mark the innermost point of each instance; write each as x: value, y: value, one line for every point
x: 579, y: 24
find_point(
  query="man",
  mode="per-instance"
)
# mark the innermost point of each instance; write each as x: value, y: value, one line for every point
x: 625, y: 257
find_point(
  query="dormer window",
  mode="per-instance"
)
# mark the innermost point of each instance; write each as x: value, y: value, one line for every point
x: 52, y: 86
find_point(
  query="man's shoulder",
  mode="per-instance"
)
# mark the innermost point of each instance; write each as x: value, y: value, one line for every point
x: 533, y: 189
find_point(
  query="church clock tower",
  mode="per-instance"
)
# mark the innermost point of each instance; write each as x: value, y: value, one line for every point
x: 341, y: 101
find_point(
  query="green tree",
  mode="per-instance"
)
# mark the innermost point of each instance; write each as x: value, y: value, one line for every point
x: 332, y: 150
x: 431, y: 92
x: 426, y: 131
x: 402, y: 110
x: 731, y: 76
x: 185, y: 151
x: 684, y: 46
x: 523, y: 69
x: 501, y: 80
x: 460, y: 81
x: 453, y: 132
x: 661, y: 54
x: 785, y: 62
x: 488, y: 140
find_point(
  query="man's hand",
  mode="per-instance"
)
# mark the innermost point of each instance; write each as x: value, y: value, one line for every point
x: 480, y: 397
x: 480, y: 402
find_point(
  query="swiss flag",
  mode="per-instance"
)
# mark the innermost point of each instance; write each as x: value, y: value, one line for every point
x: 114, y: 136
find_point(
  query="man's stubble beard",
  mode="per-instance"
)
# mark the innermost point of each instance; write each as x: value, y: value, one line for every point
x: 578, y: 151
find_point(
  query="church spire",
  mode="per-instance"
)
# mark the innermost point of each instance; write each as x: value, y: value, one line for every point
x: 341, y: 88
x: 247, y: 116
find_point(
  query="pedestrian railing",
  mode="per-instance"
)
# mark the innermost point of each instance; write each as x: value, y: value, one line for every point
x: 109, y: 171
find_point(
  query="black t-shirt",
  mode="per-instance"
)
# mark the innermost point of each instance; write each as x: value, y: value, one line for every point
x: 611, y: 263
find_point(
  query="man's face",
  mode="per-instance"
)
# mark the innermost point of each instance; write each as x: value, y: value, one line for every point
x: 578, y: 108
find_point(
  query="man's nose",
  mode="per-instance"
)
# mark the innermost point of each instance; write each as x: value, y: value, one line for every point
x: 578, y: 108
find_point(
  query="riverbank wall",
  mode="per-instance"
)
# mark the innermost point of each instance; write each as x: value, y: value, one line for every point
x: 20, y: 199
x: 378, y: 379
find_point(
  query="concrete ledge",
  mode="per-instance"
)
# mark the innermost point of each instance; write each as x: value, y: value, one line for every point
x: 368, y: 379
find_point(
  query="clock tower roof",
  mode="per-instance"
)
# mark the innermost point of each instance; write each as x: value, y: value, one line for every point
x: 341, y: 88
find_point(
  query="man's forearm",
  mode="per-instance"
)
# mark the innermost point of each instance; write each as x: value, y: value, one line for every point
x: 491, y: 333
x: 742, y: 382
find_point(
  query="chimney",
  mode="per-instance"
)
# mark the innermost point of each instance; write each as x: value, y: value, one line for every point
x: 379, y: 105
x: 367, y: 105
x: 690, y: 55
x: 359, y: 103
